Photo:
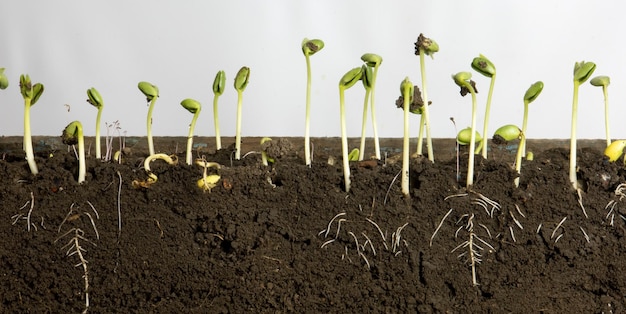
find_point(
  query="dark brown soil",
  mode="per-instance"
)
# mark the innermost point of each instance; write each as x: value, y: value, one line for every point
x: 288, y: 238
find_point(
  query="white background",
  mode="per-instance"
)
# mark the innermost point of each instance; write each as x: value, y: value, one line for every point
x: 73, y: 45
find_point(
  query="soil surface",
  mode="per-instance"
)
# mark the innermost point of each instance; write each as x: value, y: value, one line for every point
x: 288, y: 238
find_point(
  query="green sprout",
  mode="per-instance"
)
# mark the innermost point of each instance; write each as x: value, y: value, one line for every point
x: 72, y: 135
x: 464, y: 137
x: 531, y: 94
x: 152, y: 93
x: 194, y: 107
x: 241, y: 81
x: 462, y: 79
x: 31, y: 94
x: 348, y: 80
x: 152, y: 178
x: 485, y: 67
x: 309, y: 48
x: 582, y: 72
x: 4, y: 80
x: 615, y: 150
x: 407, y: 90
x: 95, y: 100
x: 208, y: 181
x: 354, y: 155
x: 373, y: 61
x: 511, y: 132
x: 218, y: 89
x: 265, y: 160
x: 604, y: 81
x: 425, y: 46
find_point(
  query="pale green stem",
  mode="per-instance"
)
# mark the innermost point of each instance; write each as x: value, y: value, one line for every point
x: 307, y: 139
x: 81, y: 154
x: 518, y: 157
x: 216, y: 120
x: 572, y: 149
x: 344, y: 140
x: 238, y: 130
x: 487, y: 111
x: 524, y: 127
x: 365, y: 102
x: 28, y: 141
x: 429, y: 141
x: 606, y: 115
x: 98, y: 150
x: 192, y: 127
x: 405, y: 145
x: 472, y: 145
x: 149, y: 124
x: 420, y: 135
x: 372, y: 105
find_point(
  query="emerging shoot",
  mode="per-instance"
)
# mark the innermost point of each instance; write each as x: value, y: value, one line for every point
x: 152, y: 93
x: 31, y: 94
x: 152, y: 178
x: 615, y: 150
x: 72, y: 135
x: 485, y: 67
x: 425, y: 46
x: 373, y: 61
x: 218, y: 89
x: 241, y: 81
x: 309, y: 48
x: 462, y: 79
x: 348, y: 80
x: 464, y: 137
x: 582, y: 71
x: 194, y: 107
x: 406, y: 88
x: 531, y: 94
x: 208, y: 181
x: 265, y: 160
x: 95, y: 100
x: 604, y: 81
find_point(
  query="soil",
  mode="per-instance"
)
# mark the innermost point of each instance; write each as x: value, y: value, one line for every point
x: 288, y: 238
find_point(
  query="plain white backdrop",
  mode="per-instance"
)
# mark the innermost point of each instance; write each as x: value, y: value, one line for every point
x: 73, y: 45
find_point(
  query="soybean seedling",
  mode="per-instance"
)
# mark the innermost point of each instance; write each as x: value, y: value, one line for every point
x: 464, y: 137
x: 72, y: 135
x: 194, y: 107
x: 425, y: 46
x: 95, y: 100
x: 265, y: 160
x: 485, y: 67
x: 511, y: 132
x: 241, y: 81
x: 462, y: 79
x: 208, y: 181
x: 218, y: 89
x: 309, y: 48
x: 406, y: 88
x: 31, y: 94
x: 531, y: 94
x: 348, y: 80
x: 152, y: 93
x: 615, y: 150
x: 582, y: 72
x: 604, y: 81
x: 152, y: 178
x: 373, y: 61
x: 4, y: 80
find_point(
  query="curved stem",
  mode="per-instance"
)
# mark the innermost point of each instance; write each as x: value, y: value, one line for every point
x: 372, y: 105
x: 429, y: 142
x: 28, y: 141
x: 216, y: 121
x: 149, y: 125
x: 192, y: 127
x: 98, y: 150
x: 238, y: 130
x: 364, y: 122
x: 344, y: 140
x: 307, y: 139
x: 606, y: 115
x: 487, y: 111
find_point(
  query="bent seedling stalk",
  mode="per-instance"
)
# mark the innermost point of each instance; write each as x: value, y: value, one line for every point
x: 152, y: 178
x: 73, y: 135
x: 348, y: 80
x: 309, y: 48
x: 152, y: 93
